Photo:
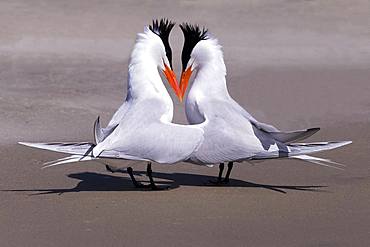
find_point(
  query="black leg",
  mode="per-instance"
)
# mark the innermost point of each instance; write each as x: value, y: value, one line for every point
x: 219, y: 178
x: 136, y: 183
x: 113, y: 169
x: 229, y: 168
x: 221, y: 170
x: 149, y: 173
x: 110, y: 168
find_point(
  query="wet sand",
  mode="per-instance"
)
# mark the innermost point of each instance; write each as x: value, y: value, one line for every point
x: 295, y: 64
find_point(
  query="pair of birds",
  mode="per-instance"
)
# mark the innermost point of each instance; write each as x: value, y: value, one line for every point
x: 220, y: 130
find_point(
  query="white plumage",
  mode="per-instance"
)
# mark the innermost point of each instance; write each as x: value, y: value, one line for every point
x: 230, y: 132
x: 141, y: 129
x: 220, y: 131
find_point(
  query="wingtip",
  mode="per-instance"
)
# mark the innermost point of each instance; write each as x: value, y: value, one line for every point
x: 28, y: 144
x: 97, y: 121
x: 96, y: 130
x: 343, y: 143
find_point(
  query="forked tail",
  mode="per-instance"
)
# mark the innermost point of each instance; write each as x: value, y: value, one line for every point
x: 303, y: 151
x: 319, y: 161
x: 80, y: 151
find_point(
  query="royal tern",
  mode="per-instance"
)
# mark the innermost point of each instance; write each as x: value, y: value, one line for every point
x: 231, y: 134
x: 142, y: 127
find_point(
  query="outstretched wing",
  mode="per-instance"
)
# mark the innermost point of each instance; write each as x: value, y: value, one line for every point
x: 281, y: 136
x: 300, y: 149
x: 76, y: 148
x: 293, y: 136
x: 80, y: 151
x: 101, y: 133
x: 165, y: 143
x: 142, y: 134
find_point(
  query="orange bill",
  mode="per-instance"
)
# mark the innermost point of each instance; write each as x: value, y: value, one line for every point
x: 171, y: 78
x: 185, y: 77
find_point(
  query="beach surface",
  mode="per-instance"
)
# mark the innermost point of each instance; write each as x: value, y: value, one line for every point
x: 294, y: 64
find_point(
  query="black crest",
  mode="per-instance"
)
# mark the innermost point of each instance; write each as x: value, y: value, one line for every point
x: 192, y: 34
x: 163, y: 28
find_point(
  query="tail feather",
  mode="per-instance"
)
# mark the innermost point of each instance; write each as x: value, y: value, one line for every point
x: 301, y: 150
x: 320, y: 161
x: 67, y: 160
x: 46, y: 164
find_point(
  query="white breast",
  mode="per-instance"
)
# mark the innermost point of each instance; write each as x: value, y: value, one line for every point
x: 194, y: 98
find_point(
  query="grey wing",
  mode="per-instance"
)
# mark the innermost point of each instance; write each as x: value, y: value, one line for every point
x: 297, y: 149
x: 281, y: 136
x: 218, y: 148
x: 141, y: 134
x: 101, y: 133
x: 78, y: 149
x: 259, y: 125
x: 229, y: 136
x: 119, y: 114
x: 293, y: 136
x: 165, y: 143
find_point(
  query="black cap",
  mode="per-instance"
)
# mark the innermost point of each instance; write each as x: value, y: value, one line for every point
x: 192, y: 34
x: 163, y: 28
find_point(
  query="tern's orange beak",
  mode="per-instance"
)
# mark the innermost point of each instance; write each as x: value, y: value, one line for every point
x: 185, y: 77
x: 171, y: 78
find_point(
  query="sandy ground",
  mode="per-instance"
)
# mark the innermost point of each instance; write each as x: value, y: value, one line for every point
x: 295, y: 64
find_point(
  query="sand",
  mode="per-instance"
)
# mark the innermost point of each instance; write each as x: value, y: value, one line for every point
x: 295, y: 64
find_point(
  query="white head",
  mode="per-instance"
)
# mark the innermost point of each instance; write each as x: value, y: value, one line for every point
x: 153, y: 46
x: 200, y: 50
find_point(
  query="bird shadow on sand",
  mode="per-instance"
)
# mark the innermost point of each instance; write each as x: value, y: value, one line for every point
x: 91, y: 181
